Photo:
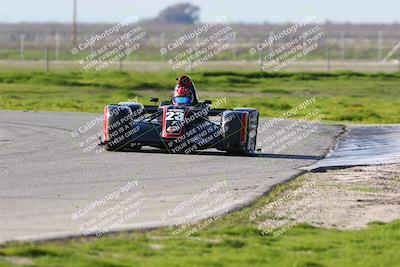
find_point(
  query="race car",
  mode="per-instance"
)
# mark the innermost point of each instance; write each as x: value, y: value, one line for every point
x: 183, y: 124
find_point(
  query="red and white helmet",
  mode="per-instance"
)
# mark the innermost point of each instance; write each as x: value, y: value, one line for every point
x: 184, y: 93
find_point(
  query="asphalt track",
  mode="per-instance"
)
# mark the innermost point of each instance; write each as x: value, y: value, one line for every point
x: 48, y: 183
x: 364, y: 145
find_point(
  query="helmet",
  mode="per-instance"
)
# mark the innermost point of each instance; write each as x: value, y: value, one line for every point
x: 182, y: 96
x: 184, y: 93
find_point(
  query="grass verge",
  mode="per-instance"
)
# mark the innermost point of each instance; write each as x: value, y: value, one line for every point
x: 230, y: 241
x: 340, y: 96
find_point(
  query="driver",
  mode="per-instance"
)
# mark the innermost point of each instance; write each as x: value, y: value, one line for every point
x: 184, y: 92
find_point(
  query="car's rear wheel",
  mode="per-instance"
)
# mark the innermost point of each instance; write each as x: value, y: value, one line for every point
x: 240, y: 130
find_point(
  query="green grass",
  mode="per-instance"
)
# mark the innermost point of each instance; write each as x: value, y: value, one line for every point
x: 341, y: 96
x: 230, y: 241
x: 365, y: 189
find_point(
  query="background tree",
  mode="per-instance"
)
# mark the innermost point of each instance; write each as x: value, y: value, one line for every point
x: 180, y: 13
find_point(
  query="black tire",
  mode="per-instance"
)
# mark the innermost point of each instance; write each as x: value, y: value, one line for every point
x: 237, y: 137
x: 117, y: 121
x: 136, y: 108
x: 254, y: 116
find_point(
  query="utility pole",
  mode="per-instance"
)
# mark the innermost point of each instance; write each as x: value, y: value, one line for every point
x: 120, y: 64
x: 234, y: 44
x: 121, y: 59
x: 380, y: 45
x: 22, y: 47
x: 398, y: 61
x: 57, y: 44
x: 271, y: 47
x: 329, y: 60
x: 342, y: 46
x: 74, y: 23
x: 92, y: 48
x: 46, y: 52
x: 162, y: 42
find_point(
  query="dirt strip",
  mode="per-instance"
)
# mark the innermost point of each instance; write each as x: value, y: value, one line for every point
x: 347, y: 198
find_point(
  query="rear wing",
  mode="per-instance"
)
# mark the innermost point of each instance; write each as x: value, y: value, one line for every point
x: 154, y: 109
x: 216, y: 111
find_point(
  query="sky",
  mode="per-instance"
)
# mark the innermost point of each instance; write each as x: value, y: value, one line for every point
x: 249, y: 11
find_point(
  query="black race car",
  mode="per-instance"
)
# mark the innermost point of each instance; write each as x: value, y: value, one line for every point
x: 182, y: 125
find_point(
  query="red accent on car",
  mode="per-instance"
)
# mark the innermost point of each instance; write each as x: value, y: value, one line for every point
x: 164, y: 122
x: 164, y: 132
x: 243, y: 132
x: 105, y: 125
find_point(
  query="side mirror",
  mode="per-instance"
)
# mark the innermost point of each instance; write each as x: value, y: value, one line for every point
x: 155, y: 100
x: 209, y: 102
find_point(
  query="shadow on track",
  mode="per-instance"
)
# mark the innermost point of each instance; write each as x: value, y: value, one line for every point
x: 221, y: 153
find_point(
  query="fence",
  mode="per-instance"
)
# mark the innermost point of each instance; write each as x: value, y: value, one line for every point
x: 335, y: 48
